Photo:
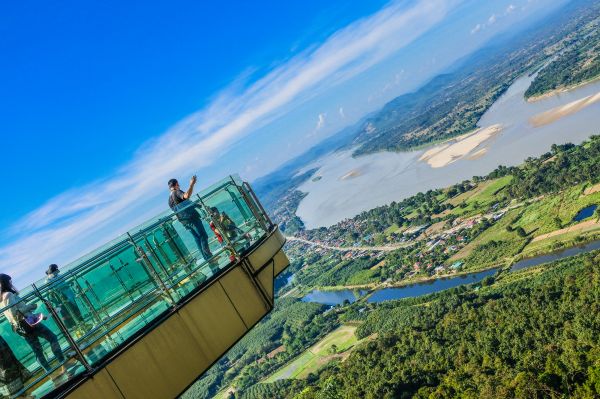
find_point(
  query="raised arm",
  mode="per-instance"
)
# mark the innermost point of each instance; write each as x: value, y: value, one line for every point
x: 190, y: 189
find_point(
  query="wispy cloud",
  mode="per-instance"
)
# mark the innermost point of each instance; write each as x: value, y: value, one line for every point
x: 493, y: 19
x: 476, y: 28
x: 76, y: 221
x: 321, y: 120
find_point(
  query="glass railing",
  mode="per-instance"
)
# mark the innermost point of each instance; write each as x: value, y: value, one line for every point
x: 95, y: 304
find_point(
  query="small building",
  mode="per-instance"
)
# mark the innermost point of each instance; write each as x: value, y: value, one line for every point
x: 457, y: 265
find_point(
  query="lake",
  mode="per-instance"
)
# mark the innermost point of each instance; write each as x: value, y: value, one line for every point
x: 333, y: 297
x: 347, y: 186
x: 440, y: 284
x: 585, y: 213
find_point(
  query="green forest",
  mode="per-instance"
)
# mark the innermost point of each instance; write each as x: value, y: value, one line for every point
x: 530, y: 334
x: 579, y: 63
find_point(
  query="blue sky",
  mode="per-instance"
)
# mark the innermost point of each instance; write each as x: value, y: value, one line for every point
x: 102, y: 104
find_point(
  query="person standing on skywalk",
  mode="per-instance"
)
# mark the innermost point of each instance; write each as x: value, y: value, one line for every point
x: 188, y: 215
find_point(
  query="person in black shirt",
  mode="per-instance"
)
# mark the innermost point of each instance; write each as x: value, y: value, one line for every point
x: 188, y: 214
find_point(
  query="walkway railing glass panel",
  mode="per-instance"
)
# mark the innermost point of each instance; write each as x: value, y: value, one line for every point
x: 95, y: 304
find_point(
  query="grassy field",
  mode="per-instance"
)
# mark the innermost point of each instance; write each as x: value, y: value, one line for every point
x: 497, y: 232
x: 318, y: 355
x: 555, y: 212
x: 480, y: 198
x: 558, y: 242
x: 549, y: 214
x: 394, y: 228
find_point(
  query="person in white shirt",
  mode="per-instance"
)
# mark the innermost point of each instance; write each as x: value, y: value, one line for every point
x: 18, y: 314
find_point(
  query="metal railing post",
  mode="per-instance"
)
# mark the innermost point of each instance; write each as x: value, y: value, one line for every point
x: 86, y: 301
x: 143, y: 258
x: 250, y: 205
x: 160, y: 264
x: 228, y: 245
x: 120, y: 280
x: 261, y: 217
x: 255, y: 201
x: 63, y: 329
x: 173, y: 245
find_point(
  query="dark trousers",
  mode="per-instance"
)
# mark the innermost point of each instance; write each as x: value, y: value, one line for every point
x: 71, y: 314
x: 195, y: 227
x: 33, y: 339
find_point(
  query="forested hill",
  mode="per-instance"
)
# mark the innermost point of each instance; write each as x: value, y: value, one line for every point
x: 579, y: 63
x: 452, y: 104
x: 529, y: 335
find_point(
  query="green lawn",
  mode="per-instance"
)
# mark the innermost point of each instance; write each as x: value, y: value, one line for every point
x: 491, y: 192
x: 292, y: 369
x: 558, y: 242
x: 392, y: 229
x: 481, y: 197
x: 317, y: 356
x: 555, y: 212
x: 343, y: 338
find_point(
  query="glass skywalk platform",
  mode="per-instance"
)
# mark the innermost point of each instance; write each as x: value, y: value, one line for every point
x: 145, y: 315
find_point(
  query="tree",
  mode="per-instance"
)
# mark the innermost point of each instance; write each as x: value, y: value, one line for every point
x: 558, y: 222
x: 333, y: 349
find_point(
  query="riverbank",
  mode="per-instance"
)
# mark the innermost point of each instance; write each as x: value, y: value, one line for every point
x: 389, y: 292
x: 405, y: 283
x: 548, y: 247
x: 562, y: 90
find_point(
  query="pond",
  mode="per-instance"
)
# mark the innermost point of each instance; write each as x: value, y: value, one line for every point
x: 333, y: 297
x: 440, y: 284
x: 585, y: 213
x: 283, y: 280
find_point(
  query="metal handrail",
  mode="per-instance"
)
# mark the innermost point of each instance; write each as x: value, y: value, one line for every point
x: 162, y: 282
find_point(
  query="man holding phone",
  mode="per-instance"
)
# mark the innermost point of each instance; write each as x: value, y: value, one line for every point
x: 188, y: 214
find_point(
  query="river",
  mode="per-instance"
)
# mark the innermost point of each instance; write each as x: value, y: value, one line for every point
x: 440, y: 284
x: 348, y: 186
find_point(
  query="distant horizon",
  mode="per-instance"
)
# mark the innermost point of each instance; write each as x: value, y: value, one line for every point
x: 263, y: 119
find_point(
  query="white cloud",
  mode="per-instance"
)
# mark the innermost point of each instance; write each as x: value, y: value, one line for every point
x: 76, y: 221
x: 492, y: 19
x: 321, y: 121
x: 341, y: 112
x: 476, y: 28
